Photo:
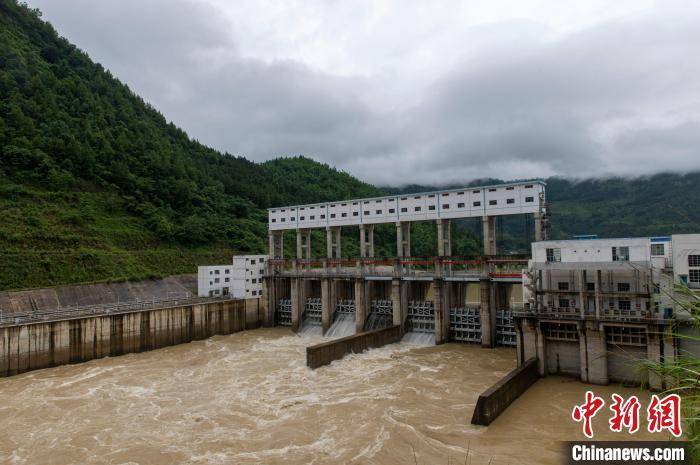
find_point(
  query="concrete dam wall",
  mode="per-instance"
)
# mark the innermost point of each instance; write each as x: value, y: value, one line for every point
x: 46, y: 344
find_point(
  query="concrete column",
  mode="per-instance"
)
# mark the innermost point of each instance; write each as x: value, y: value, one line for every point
x: 527, y: 339
x: 329, y: 242
x: 541, y: 350
x: 441, y: 311
x: 281, y: 245
x: 581, y: 289
x: 447, y: 232
x: 370, y: 240
x: 396, y: 302
x: 297, y: 304
x: 271, y: 242
x: 598, y: 296
x: 407, y: 238
x: 308, y: 244
x: 327, y: 300
x: 594, y: 354
x: 267, y: 302
x: 489, y: 225
x: 363, y: 245
x: 399, y: 239
x: 654, y: 354
x: 299, y: 248
x: 538, y: 227
x: 360, y: 306
x: 338, y: 249
x: 444, y: 238
x: 488, y: 314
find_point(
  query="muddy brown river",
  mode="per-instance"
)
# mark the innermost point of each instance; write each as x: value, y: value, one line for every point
x: 249, y: 398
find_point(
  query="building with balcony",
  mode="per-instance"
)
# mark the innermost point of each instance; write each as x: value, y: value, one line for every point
x: 596, y: 308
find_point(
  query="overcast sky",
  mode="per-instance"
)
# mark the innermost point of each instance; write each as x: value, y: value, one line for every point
x: 400, y: 91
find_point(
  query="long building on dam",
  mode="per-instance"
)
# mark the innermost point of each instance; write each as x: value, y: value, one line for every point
x: 469, y: 299
x: 588, y: 307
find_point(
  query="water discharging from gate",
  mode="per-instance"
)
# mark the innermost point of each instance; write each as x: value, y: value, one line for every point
x: 344, y: 325
x: 249, y: 398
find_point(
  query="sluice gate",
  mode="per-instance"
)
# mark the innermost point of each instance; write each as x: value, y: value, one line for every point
x: 344, y: 306
x: 505, y: 328
x: 465, y: 324
x: 381, y: 315
x: 421, y: 316
x: 312, y: 312
x: 343, y: 319
x: 283, y: 316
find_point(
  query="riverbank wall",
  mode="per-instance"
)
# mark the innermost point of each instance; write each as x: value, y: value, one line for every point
x: 36, y: 345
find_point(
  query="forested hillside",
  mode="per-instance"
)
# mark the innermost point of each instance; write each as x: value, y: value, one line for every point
x: 95, y: 184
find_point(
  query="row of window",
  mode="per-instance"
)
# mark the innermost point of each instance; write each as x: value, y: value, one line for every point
x: 621, y: 287
x: 417, y: 197
x: 619, y: 254
x: 622, y: 304
x: 214, y: 292
x: 445, y: 206
x: 226, y: 271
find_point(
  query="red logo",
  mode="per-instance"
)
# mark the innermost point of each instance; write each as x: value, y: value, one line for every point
x: 662, y: 414
x: 665, y: 414
x: 625, y: 414
x: 586, y: 411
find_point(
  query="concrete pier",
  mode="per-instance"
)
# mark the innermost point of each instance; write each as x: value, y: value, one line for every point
x: 432, y: 295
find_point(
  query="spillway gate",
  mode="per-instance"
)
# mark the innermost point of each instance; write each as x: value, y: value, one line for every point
x: 465, y: 324
x: 421, y: 316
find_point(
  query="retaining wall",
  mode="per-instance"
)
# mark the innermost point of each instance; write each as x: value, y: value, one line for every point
x: 41, y: 345
x: 498, y: 397
x: 97, y: 294
x: 323, y: 354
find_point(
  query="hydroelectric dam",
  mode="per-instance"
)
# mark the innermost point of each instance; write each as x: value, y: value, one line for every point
x: 366, y: 360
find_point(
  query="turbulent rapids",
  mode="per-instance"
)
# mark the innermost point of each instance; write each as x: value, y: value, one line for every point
x: 249, y: 398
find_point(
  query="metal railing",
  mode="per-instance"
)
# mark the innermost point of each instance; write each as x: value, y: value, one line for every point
x: 414, y: 266
x: 78, y: 311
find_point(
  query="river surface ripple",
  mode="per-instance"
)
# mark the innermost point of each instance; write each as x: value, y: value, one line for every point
x: 249, y: 398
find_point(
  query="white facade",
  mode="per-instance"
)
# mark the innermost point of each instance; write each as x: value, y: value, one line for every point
x: 686, y: 259
x: 248, y: 270
x: 627, y: 271
x: 503, y: 199
x: 241, y: 279
x: 634, y: 250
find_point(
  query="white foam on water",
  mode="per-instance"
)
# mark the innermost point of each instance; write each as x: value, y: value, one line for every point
x: 419, y: 339
x: 343, y: 326
x: 309, y: 330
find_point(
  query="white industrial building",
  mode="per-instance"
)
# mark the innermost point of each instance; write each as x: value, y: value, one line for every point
x: 242, y: 279
x: 629, y: 276
x: 598, y: 308
x: 502, y: 199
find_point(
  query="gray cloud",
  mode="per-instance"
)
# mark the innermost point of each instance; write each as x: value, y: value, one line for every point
x: 621, y: 97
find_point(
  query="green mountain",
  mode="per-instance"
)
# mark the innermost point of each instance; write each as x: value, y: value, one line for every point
x: 96, y: 185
